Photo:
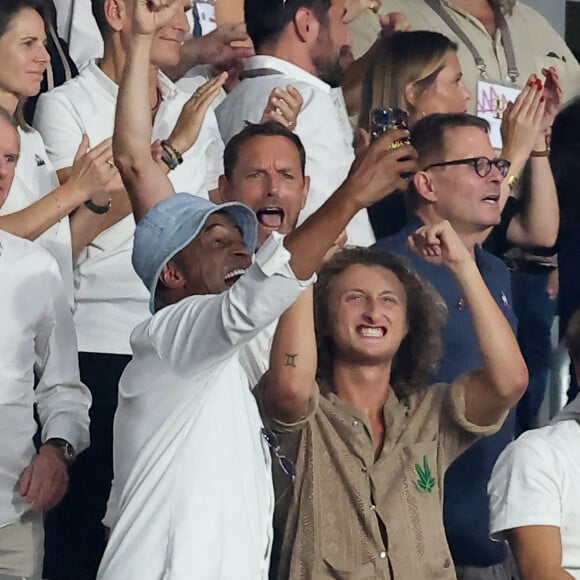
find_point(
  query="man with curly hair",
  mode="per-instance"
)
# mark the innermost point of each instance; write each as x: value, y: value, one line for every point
x: 362, y: 444
x: 459, y: 181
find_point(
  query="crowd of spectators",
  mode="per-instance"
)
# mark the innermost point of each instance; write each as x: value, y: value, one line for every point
x: 248, y: 335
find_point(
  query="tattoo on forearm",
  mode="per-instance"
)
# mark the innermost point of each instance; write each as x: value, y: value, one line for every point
x: 291, y: 360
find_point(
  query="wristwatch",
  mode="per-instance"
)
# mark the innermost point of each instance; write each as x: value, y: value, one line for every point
x: 68, y: 452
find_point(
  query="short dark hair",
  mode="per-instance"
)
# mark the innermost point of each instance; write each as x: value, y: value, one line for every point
x: 98, y: 8
x: 267, y: 19
x: 419, y: 352
x: 428, y: 134
x: 251, y: 130
x: 428, y: 138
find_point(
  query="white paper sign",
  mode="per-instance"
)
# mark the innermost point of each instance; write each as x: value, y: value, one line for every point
x: 206, y: 12
x: 492, y: 100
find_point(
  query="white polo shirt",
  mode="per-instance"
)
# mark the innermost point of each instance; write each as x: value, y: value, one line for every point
x: 110, y: 299
x: 38, y: 364
x: 535, y: 482
x: 322, y: 125
x: 34, y: 178
x: 192, y: 472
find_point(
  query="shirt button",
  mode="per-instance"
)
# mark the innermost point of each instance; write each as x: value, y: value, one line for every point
x: 355, y: 423
x: 382, y: 555
x: 363, y: 469
x: 373, y: 507
x: 447, y: 563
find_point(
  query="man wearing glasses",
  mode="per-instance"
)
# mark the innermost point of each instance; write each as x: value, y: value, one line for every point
x: 460, y: 182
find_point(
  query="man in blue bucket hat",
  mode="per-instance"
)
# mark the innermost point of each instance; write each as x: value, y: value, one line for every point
x: 192, y: 464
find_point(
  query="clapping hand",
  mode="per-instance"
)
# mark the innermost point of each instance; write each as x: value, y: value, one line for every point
x: 283, y: 106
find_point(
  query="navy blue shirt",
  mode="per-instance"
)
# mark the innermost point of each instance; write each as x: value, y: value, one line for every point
x: 466, y: 509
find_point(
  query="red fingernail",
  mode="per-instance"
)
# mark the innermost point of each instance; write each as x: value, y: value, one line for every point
x: 531, y: 83
x: 542, y: 99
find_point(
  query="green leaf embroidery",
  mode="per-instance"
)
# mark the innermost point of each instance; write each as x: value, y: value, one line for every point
x: 426, y: 481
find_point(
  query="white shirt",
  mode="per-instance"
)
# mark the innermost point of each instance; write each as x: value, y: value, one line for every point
x: 37, y: 347
x: 35, y: 177
x: 78, y: 27
x: 570, y: 411
x: 535, y: 482
x: 322, y: 125
x: 192, y: 472
x: 110, y: 299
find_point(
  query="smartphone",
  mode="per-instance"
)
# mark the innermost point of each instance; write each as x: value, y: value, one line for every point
x: 383, y: 120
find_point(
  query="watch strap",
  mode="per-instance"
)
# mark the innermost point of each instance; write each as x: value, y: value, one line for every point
x: 98, y: 209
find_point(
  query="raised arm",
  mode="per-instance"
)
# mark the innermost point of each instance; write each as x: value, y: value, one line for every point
x: 290, y: 382
x: 145, y: 181
x: 145, y: 177
x: 377, y: 172
x: 523, y: 129
x: 91, y: 173
x: 504, y: 377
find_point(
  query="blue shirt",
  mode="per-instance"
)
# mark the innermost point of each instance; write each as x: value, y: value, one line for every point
x: 466, y: 509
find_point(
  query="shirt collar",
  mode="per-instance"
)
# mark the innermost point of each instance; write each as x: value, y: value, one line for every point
x: 167, y: 89
x: 286, y: 68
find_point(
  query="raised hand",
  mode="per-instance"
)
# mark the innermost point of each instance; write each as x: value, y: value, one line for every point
x: 521, y: 123
x: 190, y: 121
x: 216, y: 48
x: 553, y: 97
x: 394, y: 22
x: 93, y: 171
x: 381, y: 168
x: 440, y: 244
x: 354, y: 8
x: 149, y: 16
x: 283, y: 106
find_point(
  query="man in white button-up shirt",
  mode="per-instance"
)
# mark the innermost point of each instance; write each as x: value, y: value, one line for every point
x: 38, y: 366
x: 301, y: 43
x: 197, y: 497
x: 109, y: 298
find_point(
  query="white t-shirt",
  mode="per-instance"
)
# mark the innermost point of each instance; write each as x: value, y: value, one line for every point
x: 110, y: 299
x: 322, y: 126
x: 38, y: 365
x: 192, y: 495
x: 35, y: 177
x: 535, y: 482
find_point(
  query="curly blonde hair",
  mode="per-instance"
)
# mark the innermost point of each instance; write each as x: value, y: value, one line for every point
x: 419, y: 353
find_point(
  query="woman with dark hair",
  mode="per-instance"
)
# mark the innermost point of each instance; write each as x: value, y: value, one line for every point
x: 361, y: 441
x: 36, y: 207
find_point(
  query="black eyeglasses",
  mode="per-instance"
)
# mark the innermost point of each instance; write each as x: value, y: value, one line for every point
x: 273, y: 442
x: 482, y: 165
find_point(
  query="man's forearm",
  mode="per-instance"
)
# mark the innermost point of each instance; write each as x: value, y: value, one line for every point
x: 309, y: 243
x: 86, y: 225
x: 538, y: 224
x: 145, y: 181
x: 502, y: 358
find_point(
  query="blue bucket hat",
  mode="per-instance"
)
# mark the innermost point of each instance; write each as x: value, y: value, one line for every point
x: 172, y: 224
